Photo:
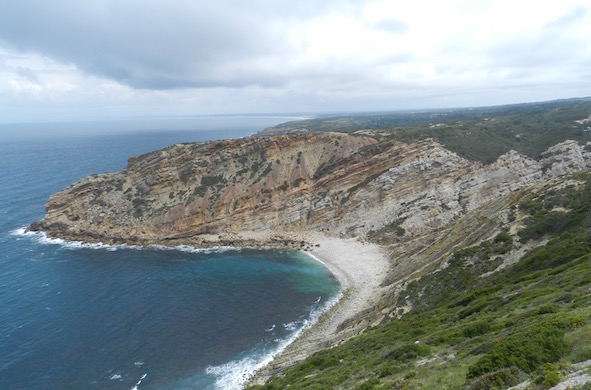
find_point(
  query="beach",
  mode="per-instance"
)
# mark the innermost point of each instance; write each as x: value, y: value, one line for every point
x: 360, y: 269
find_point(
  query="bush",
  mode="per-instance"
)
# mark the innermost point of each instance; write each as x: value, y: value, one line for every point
x: 408, y: 352
x: 322, y: 361
x: 560, y: 250
x: 475, y: 308
x: 527, y: 350
x: 500, y: 379
x: 503, y: 242
x: 547, y: 309
x: 369, y: 384
x: 476, y: 329
x: 545, y: 223
x: 548, y: 376
x: 211, y: 180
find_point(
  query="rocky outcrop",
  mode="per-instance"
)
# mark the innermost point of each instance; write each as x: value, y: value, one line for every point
x: 264, y: 190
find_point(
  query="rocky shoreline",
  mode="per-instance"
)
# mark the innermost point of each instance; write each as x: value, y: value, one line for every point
x: 276, y: 188
x: 360, y: 269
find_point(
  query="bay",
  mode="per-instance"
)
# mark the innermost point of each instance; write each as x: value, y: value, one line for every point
x: 79, y: 316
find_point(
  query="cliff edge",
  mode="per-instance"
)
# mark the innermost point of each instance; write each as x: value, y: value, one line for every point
x: 273, y: 190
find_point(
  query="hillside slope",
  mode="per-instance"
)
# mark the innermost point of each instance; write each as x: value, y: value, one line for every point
x: 480, y: 133
x: 511, y: 309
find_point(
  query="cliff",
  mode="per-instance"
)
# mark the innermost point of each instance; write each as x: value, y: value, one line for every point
x: 272, y: 190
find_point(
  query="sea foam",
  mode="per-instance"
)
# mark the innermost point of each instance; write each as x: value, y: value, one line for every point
x: 139, y: 382
x: 42, y: 238
x: 236, y: 374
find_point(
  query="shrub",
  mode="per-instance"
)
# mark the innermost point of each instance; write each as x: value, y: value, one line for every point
x: 476, y: 329
x: 186, y: 173
x: 503, y: 236
x: 408, y: 352
x: 547, y: 309
x: 475, y: 308
x: 500, y: 379
x: 502, y: 242
x: 322, y: 361
x: 211, y: 180
x: 526, y: 349
x: 369, y: 384
x: 560, y: 250
x: 548, y: 376
x: 296, y: 183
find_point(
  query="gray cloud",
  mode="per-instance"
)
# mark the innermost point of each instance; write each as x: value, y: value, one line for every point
x: 155, y: 44
x: 187, y: 56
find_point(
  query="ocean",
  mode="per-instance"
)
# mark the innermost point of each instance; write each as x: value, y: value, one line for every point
x: 75, y: 316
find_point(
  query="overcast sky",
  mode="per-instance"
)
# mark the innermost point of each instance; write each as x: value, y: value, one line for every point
x: 100, y: 59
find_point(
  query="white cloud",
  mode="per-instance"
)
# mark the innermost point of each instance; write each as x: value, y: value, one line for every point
x: 106, y: 58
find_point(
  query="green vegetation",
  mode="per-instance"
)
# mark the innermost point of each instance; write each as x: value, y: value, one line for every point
x: 265, y: 172
x: 476, y: 133
x: 296, y: 183
x: 185, y: 174
x: 385, y: 234
x: 530, y: 321
x: 139, y: 207
x: 208, y: 182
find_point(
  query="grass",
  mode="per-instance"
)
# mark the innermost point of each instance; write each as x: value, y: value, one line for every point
x: 529, y: 320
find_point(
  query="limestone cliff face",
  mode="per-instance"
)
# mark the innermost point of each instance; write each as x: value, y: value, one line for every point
x: 272, y: 187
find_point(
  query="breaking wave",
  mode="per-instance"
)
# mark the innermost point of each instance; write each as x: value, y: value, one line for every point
x: 236, y: 374
x: 42, y: 238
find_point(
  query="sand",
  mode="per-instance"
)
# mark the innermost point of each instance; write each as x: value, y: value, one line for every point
x: 360, y: 269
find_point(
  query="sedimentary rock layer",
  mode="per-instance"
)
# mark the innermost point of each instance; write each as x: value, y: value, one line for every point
x: 266, y: 189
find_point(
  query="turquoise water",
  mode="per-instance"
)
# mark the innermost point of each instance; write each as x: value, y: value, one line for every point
x: 81, y: 316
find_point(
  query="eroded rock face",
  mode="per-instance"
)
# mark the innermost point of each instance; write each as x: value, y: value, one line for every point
x: 272, y: 187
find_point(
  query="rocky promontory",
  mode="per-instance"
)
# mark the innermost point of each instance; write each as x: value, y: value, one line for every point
x: 272, y: 190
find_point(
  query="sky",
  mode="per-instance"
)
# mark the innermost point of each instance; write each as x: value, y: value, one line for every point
x: 105, y: 59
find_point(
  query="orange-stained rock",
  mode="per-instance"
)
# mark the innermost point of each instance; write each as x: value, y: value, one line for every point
x: 276, y: 186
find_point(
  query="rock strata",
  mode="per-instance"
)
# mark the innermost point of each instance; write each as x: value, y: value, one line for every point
x: 271, y: 190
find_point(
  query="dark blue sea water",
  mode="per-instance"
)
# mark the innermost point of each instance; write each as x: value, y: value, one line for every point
x: 76, y: 316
